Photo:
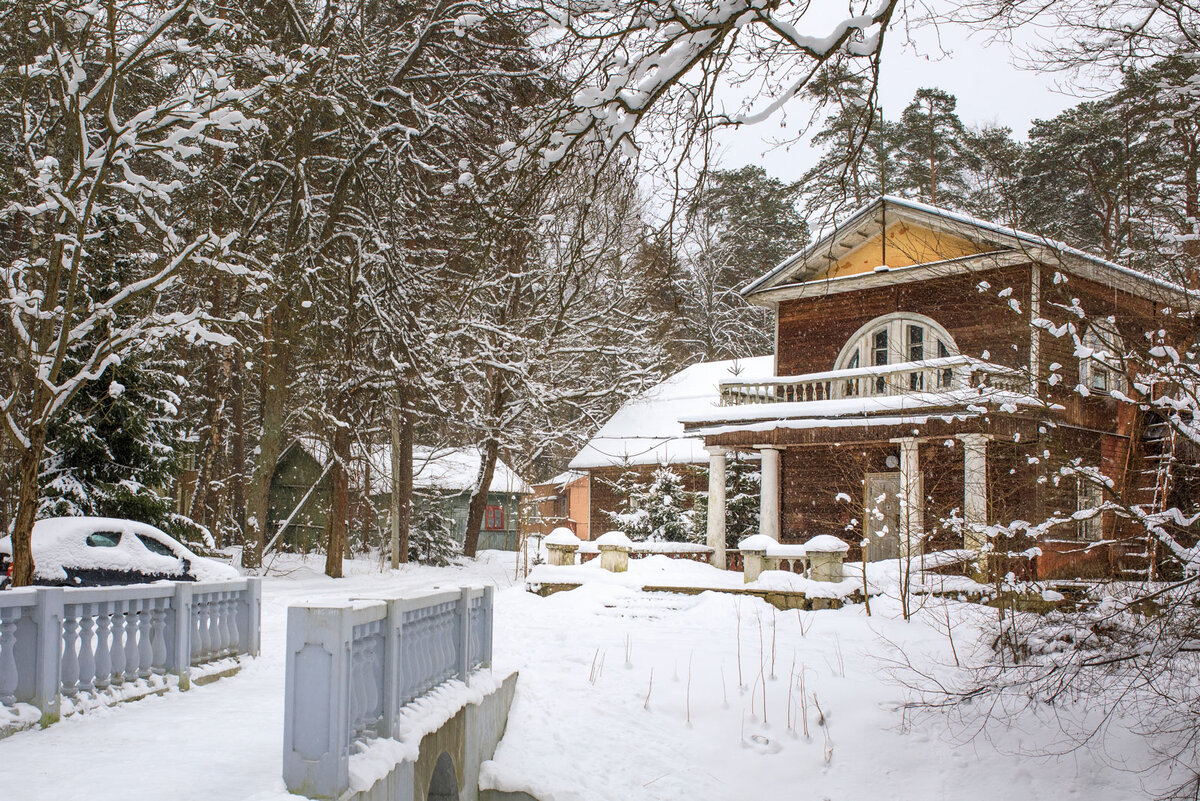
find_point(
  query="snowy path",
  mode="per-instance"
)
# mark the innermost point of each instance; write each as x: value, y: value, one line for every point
x: 581, y: 728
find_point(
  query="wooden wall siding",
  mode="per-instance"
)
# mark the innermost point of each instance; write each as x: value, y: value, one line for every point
x: 942, y: 469
x: 906, y: 245
x: 812, y: 331
x: 1133, y: 315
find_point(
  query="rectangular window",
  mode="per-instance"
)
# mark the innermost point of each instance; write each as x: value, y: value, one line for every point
x: 1089, y: 498
x: 879, y: 356
x: 947, y: 375
x: 916, y: 353
x: 879, y: 348
x: 916, y: 343
x: 493, y: 518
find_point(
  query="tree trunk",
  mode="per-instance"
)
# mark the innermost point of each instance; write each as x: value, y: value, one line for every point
x: 402, y: 478
x: 340, y: 486
x: 27, y: 504
x: 237, y: 476
x: 475, y: 512
x: 276, y: 364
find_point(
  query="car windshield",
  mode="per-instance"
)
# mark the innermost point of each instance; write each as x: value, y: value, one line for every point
x: 154, y: 546
x: 104, y: 539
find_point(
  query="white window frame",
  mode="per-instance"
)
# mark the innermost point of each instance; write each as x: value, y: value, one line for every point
x: 1102, y: 372
x: 1089, y: 496
x: 862, y: 343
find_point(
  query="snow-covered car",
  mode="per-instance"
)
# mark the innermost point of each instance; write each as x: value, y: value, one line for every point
x: 102, y: 551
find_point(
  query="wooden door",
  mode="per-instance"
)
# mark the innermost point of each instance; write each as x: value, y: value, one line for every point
x: 881, y: 504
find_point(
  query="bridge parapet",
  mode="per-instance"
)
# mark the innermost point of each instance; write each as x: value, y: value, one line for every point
x: 70, y: 649
x: 355, y: 669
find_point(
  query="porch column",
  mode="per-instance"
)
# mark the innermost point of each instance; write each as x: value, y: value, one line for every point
x: 975, y: 489
x: 912, y: 505
x: 716, y: 503
x: 768, y: 508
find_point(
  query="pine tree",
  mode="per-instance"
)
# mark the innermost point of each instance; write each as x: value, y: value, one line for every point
x: 856, y: 164
x: 932, y: 153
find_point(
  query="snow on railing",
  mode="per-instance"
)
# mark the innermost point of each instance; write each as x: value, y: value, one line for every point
x: 64, y: 649
x: 352, y: 667
x: 947, y: 374
x: 690, y: 551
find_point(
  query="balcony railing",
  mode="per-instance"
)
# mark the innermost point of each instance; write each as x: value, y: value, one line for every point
x: 947, y: 374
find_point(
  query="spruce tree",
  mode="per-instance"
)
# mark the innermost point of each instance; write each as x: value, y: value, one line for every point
x: 431, y: 539
x: 660, y: 510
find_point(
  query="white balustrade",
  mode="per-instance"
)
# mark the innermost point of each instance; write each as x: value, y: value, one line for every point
x: 351, y: 667
x: 85, y: 642
x: 946, y: 374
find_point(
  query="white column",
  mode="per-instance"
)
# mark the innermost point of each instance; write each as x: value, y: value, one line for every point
x: 716, y: 503
x: 975, y: 488
x: 768, y: 509
x: 912, y: 500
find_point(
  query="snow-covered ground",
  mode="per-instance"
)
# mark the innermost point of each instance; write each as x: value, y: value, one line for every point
x: 623, y: 695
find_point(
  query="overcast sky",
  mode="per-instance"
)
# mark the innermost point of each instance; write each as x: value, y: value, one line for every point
x: 984, y: 76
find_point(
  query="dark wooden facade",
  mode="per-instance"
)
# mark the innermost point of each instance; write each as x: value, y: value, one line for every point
x: 989, y: 309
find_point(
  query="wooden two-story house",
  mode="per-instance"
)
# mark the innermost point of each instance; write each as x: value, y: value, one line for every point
x: 936, y: 377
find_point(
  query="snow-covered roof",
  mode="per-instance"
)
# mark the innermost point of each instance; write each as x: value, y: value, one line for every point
x: 562, y: 479
x: 808, y: 263
x: 647, y: 429
x: 446, y: 469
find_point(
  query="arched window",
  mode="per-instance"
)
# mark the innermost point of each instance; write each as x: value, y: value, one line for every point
x: 896, y: 339
x: 1101, y: 357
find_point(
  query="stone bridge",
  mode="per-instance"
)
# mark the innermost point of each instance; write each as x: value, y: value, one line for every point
x: 393, y: 699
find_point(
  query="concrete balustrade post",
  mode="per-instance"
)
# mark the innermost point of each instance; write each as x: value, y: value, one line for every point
x: 393, y: 641
x: 754, y: 562
x: 182, y: 629
x: 825, y: 556
x: 489, y: 606
x: 464, y: 634
x: 614, y: 558
x: 316, y: 727
x: 253, y: 628
x: 561, y: 545
x: 754, y: 556
x: 560, y: 555
x: 614, y: 551
x: 49, y: 617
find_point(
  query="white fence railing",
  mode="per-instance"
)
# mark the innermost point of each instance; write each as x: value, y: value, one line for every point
x: 99, y: 644
x: 946, y: 374
x: 352, y: 667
